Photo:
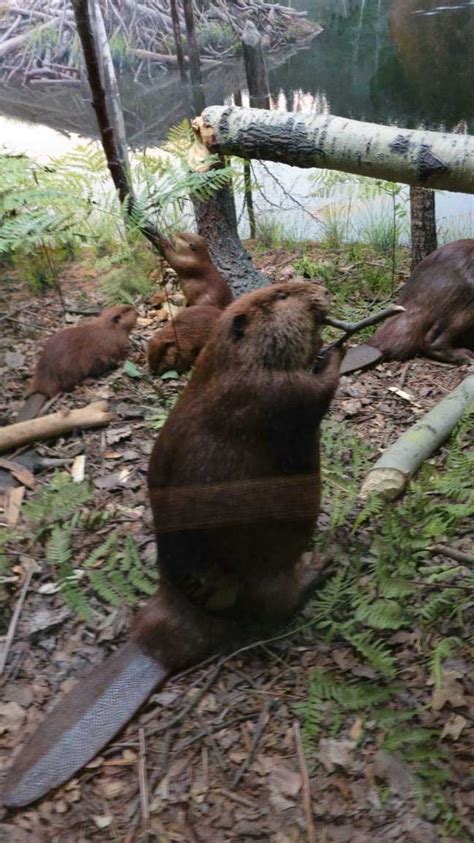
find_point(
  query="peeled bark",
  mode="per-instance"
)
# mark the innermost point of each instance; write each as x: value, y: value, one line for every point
x: 411, y: 156
x: 391, y: 473
x: 423, y: 224
x: 46, y: 427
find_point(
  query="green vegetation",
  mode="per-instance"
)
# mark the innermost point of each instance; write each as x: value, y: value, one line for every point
x: 386, y: 584
x: 49, y: 213
x: 58, y: 520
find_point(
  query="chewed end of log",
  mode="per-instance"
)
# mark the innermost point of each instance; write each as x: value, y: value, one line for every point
x: 386, y: 482
x: 199, y: 158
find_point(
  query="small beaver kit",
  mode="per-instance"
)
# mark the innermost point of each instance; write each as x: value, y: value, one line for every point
x: 74, y: 354
x: 178, y: 344
x: 198, y: 278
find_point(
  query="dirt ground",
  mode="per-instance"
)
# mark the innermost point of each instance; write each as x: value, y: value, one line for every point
x: 215, y: 756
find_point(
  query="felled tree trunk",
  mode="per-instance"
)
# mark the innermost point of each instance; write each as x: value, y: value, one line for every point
x: 410, y: 156
x: 423, y: 224
x: 390, y: 474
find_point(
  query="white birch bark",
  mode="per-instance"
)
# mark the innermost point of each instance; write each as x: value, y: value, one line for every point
x: 109, y: 81
x: 411, y: 156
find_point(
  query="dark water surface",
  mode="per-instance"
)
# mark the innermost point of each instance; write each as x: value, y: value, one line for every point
x: 409, y: 62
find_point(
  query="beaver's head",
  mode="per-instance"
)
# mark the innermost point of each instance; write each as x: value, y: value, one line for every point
x: 277, y: 327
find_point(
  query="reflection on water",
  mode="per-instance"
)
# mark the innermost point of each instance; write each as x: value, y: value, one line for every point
x: 409, y: 62
x: 387, y: 61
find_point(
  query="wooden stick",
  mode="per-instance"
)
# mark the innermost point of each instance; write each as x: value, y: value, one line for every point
x: 15, y: 617
x: 144, y: 801
x: 305, y: 784
x: 46, y: 427
x: 350, y: 328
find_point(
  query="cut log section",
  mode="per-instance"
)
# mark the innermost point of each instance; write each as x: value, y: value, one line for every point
x: 47, y: 427
x: 392, y: 471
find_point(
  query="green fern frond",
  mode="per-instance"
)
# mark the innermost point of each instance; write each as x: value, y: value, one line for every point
x: 376, y: 652
x: 443, y: 650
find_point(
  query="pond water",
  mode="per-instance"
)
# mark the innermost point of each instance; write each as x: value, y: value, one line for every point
x: 409, y: 62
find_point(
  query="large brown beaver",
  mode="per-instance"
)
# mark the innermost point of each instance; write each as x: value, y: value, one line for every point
x: 199, y: 279
x: 177, y: 345
x: 85, y: 351
x: 234, y: 483
x: 439, y: 311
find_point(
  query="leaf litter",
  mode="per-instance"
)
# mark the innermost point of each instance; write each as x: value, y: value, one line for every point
x: 359, y: 791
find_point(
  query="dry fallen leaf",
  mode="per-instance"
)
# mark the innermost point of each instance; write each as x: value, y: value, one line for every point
x: 12, y: 717
x: 19, y: 472
x: 14, y: 359
x: 454, y: 726
x: 13, y: 499
x: 103, y: 821
x: 283, y: 783
x: 394, y: 771
x: 356, y: 729
x: 336, y: 753
x: 450, y: 691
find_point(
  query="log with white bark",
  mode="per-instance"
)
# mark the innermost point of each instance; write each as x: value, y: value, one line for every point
x: 411, y: 156
x: 56, y: 424
x: 391, y: 473
x: 19, y: 40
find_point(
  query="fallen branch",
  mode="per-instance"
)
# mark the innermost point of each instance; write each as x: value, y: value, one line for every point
x: 16, y: 615
x: 47, y: 427
x: 390, y: 474
x: 18, y: 40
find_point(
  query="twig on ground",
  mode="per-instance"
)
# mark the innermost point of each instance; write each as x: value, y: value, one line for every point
x: 452, y: 553
x: 193, y: 702
x: 15, y: 617
x: 262, y: 722
x: 144, y: 801
x: 404, y: 374
x: 305, y: 784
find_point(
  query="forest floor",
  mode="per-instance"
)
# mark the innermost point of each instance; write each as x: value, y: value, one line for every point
x: 237, y: 749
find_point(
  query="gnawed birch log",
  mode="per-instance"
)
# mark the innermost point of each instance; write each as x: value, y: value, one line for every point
x: 46, y: 427
x: 411, y: 156
x: 392, y: 471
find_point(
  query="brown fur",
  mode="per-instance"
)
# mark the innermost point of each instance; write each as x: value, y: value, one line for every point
x: 248, y: 420
x: 439, y: 302
x: 234, y: 484
x: 199, y: 279
x: 87, y: 350
x: 178, y: 344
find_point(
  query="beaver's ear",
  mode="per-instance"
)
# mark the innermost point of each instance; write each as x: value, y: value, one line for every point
x: 239, y: 323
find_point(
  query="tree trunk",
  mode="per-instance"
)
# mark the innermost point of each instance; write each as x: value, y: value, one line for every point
x: 193, y: 53
x: 109, y: 81
x: 423, y: 224
x: 111, y: 143
x: 177, y: 38
x: 247, y: 183
x: 255, y: 69
x: 428, y: 159
x: 218, y: 225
